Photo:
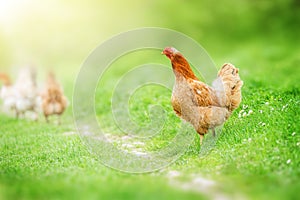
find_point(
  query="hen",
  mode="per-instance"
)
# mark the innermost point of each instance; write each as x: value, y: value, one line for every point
x: 7, y: 93
x: 203, y: 106
x: 53, y: 100
x: 26, y: 92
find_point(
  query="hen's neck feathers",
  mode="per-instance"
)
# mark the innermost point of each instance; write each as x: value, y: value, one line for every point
x: 182, y: 68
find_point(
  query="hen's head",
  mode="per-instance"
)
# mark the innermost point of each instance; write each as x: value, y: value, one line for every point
x: 170, y: 52
x: 5, y: 79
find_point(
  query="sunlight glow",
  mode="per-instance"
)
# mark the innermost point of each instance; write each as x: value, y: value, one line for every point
x: 11, y: 10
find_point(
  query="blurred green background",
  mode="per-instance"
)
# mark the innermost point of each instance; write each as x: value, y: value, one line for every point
x: 61, y: 34
x: 261, y: 37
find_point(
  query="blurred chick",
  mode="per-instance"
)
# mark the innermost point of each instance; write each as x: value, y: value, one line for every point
x: 203, y: 106
x: 26, y: 92
x: 7, y: 93
x: 53, y: 100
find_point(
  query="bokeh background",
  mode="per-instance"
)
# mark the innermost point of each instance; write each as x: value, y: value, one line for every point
x: 61, y: 34
x: 261, y: 37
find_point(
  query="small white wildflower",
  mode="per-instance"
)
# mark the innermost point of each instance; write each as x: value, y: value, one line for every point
x: 267, y: 103
x: 263, y: 124
x: 272, y: 109
x: 244, y: 114
x: 249, y: 139
x: 294, y: 133
x: 298, y: 143
x: 288, y: 161
x: 260, y: 111
x: 241, y: 111
x: 250, y: 112
x: 173, y: 174
x: 245, y: 106
x: 284, y: 107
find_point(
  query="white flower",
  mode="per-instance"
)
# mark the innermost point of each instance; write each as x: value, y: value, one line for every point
x: 263, y: 124
x: 294, y: 133
x: 240, y: 113
x: 260, y: 111
x: 249, y: 139
x: 284, y: 107
x: 245, y: 106
x: 267, y: 103
x: 250, y: 112
x: 272, y: 109
x: 173, y: 174
x: 288, y: 161
x: 298, y: 143
x: 244, y: 114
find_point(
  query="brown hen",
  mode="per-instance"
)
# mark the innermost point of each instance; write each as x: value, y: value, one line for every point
x: 203, y: 106
x: 53, y: 100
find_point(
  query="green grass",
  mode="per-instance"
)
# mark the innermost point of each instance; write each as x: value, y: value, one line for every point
x: 41, y: 161
x: 257, y: 155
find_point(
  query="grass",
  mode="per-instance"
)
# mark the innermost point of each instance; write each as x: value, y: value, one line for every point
x: 40, y: 161
x: 255, y: 157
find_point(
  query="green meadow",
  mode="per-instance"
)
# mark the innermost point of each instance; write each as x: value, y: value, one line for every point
x: 257, y: 154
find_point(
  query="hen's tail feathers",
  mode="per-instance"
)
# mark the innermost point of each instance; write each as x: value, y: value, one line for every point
x: 232, y: 85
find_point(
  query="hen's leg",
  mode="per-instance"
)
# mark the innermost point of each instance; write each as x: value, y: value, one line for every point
x: 201, y: 131
x: 213, y: 132
x: 58, y: 119
x: 46, y: 117
x: 36, y: 116
x: 201, y: 138
x: 20, y: 114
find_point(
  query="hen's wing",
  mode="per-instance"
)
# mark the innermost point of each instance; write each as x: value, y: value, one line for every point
x: 204, y: 95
